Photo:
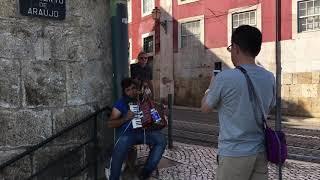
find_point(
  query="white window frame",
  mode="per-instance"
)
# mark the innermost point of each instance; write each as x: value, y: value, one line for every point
x: 142, y: 42
x: 190, y: 19
x: 130, y: 50
x: 180, y: 2
x: 256, y: 7
x: 149, y: 12
x: 306, y: 16
x: 129, y: 6
x: 295, y: 25
x: 243, y: 13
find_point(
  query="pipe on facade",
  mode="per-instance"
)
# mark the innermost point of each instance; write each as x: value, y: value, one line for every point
x: 278, y: 73
x: 119, y: 33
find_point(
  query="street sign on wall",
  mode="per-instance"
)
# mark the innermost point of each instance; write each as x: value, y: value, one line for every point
x: 52, y: 9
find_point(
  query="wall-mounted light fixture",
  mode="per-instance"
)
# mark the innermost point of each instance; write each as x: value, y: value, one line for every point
x: 156, y: 13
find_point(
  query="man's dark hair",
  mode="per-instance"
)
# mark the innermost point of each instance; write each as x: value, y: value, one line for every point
x: 125, y: 83
x: 141, y: 53
x: 248, y: 38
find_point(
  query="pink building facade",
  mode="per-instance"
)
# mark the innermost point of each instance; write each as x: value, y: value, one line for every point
x: 192, y: 37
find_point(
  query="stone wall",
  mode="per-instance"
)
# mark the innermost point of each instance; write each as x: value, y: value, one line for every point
x: 193, y: 72
x: 52, y: 73
x: 301, y: 94
x: 300, y: 90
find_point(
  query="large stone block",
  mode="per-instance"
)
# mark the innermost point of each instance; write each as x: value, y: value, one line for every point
x: 88, y: 13
x: 21, y: 169
x: 316, y: 105
x: 189, y: 92
x: 25, y: 127
x: 285, y: 103
x: 63, y: 118
x: 88, y: 82
x: 156, y: 89
x: 94, y: 44
x: 74, y: 44
x: 183, y: 92
x: 295, y: 90
x: 8, y: 8
x: 287, y: 78
x: 315, y: 77
x: 309, y: 90
x: 64, y: 167
x: 7, y: 155
x: 64, y: 43
x: 44, y: 83
x: 285, y: 90
x: 84, y: 35
x: 9, y: 83
x: 3, y: 135
x: 305, y: 78
x: 295, y: 78
x: 198, y: 88
x: 304, y: 106
x: 17, y: 39
x: 293, y: 105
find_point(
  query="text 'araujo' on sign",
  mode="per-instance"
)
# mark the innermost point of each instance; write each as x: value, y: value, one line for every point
x: 53, y: 9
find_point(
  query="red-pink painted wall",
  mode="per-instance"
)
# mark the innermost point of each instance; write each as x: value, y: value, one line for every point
x: 286, y: 19
x: 139, y: 26
x: 215, y: 19
x: 216, y: 23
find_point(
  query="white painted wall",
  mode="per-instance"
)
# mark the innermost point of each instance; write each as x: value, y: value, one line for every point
x: 297, y: 55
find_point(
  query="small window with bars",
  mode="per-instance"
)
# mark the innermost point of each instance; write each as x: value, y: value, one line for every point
x: 308, y: 15
x: 244, y: 18
x: 190, y: 34
x: 148, y: 44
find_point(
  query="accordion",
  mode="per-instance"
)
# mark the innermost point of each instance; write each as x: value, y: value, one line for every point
x: 154, y: 115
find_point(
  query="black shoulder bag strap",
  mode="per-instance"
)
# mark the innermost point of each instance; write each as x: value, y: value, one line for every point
x: 253, y: 97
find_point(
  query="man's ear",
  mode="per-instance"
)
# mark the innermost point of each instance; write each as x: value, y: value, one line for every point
x: 237, y: 48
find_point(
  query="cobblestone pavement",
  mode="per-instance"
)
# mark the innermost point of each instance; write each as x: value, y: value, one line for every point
x: 194, y: 127
x: 199, y: 163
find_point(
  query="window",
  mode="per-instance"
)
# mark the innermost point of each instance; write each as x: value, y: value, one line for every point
x: 147, y: 6
x: 190, y: 34
x: 148, y: 44
x: 129, y: 5
x: 180, y: 2
x: 244, y: 18
x: 308, y: 15
x: 250, y: 15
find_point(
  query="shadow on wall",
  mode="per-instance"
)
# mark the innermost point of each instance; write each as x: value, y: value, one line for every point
x: 194, y: 63
x: 291, y: 108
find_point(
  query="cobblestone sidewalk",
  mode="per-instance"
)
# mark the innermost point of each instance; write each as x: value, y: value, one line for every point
x: 199, y: 163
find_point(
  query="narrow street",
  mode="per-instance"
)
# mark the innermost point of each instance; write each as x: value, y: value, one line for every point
x: 194, y: 127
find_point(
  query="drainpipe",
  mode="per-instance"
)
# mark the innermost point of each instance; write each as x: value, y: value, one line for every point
x: 119, y: 33
x: 278, y: 73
